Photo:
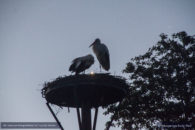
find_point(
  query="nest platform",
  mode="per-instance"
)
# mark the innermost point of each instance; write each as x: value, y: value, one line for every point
x: 78, y: 90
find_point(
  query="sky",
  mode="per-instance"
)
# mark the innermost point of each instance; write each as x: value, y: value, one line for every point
x: 40, y: 38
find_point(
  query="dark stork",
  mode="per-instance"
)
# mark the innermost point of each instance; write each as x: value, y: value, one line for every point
x: 102, y: 54
x: 80, y: 64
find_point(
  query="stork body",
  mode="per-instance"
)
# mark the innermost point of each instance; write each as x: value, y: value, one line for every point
x: 102, y: 54
x: 80, y: 64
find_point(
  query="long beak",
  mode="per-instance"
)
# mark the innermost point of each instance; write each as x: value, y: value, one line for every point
x: 91, y: 45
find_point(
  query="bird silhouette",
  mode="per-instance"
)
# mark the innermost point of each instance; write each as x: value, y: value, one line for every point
x: 80, y: 64
x: 102, y: 54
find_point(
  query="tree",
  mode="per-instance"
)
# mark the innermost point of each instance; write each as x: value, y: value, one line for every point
x: 162, y: 85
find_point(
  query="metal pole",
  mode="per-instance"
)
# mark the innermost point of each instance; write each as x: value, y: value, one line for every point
x: 59, y: 124
x: 79, y: 119
x: 86, y: 117
x: 95, y: 118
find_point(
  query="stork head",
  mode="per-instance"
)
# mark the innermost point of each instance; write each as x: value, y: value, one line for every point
x: 97, y: 40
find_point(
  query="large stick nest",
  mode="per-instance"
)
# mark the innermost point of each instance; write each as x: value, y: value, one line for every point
x: 85, y: 89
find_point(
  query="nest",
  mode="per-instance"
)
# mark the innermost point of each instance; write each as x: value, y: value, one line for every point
x: 85, y: 89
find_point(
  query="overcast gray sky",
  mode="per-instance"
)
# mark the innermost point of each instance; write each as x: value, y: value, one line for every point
x: 39, y: 39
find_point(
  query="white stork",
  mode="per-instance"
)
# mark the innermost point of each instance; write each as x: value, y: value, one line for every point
x: 102, y: 54
x: 80, y: 64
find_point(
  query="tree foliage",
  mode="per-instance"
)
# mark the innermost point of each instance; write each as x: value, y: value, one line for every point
x: 162, y: 85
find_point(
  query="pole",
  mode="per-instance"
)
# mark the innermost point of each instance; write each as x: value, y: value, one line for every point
x: 86, y: 117
x: 95, y: 118
x: 59, y: 124
x: 79, y: 119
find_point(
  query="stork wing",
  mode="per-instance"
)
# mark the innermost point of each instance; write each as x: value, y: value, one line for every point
x: 107, y: 61
x: 104, y: 57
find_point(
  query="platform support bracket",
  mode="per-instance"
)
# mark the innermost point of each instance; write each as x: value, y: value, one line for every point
x: 95, y: 118
x: 50, y: 109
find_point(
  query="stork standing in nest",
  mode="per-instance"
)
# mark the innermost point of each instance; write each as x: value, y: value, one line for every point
x: 80, y: 64
x: 102, y: 54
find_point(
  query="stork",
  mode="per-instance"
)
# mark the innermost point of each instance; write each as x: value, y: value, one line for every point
x: 80, y: 64
x: 102, y: 54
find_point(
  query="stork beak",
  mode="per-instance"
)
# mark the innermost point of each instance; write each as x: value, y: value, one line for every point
x: 91, y: 45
